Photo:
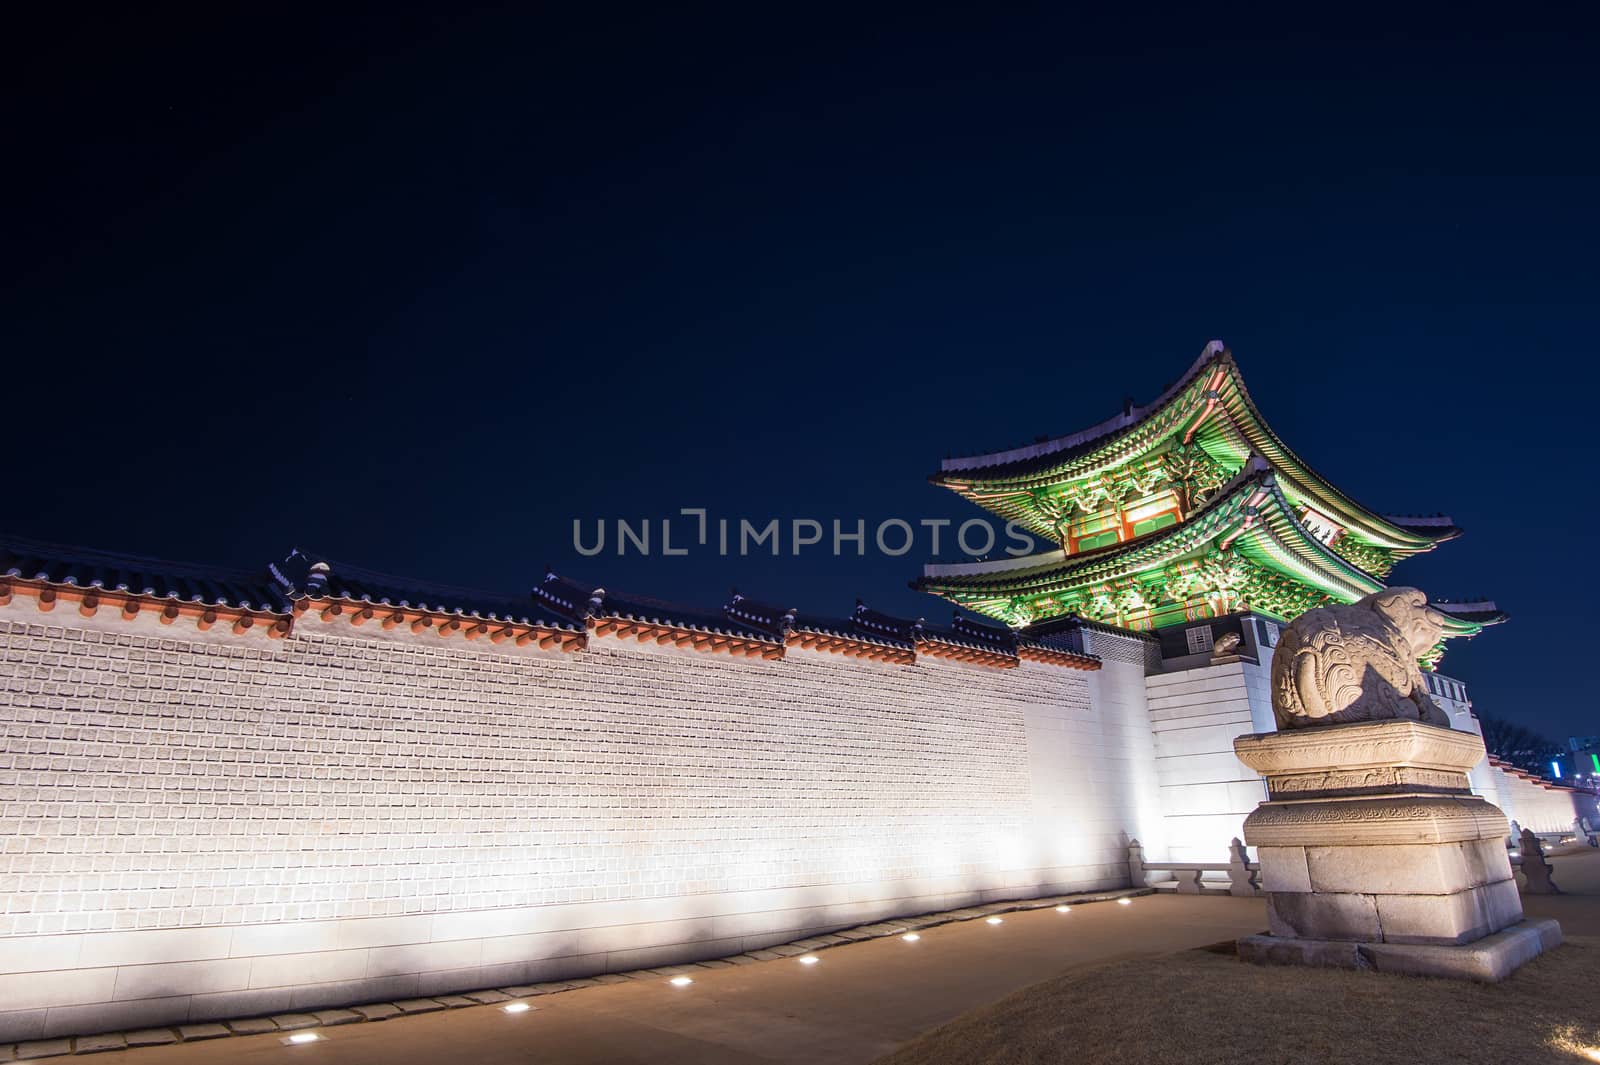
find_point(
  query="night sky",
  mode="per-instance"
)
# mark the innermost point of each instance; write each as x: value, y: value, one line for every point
x: 417, y: 292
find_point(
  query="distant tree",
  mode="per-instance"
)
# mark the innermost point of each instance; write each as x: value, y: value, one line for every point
x: 1516, y: 744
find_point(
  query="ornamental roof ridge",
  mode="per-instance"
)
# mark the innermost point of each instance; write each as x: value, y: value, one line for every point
x: 1000, y: 636
x: 1438, y: 527
x: 781, y: 622
x: 1477, y: 611
x: 1214, y: 351
x: 305, y: 575
x: 1419, y: 520
x: 776, y: 620
x: 1003, y: 482
x: 37, y: 560
x: 585, y: 603
x: 885, y: 625
x: 289, y: 586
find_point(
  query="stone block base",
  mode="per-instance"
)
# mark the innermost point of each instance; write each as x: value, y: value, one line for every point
x: 1443, y: 920
x: 1487, y: 960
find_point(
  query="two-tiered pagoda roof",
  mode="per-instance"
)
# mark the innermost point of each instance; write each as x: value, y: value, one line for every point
x: 1189, y: 506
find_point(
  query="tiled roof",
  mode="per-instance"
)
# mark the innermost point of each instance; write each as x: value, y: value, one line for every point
x: 1440, y: 527
x: 1479, y: 611
x: 1211, y: 399
x: 964, y: 632
x: 863, y: 626
x: 581, y: 603
x: 1073, y: 623
x: 83, y: 568
x: 901, y: 631
x: 1057, y: 450
x: 752, y: 619
x: 309, y: 576
x: 293, y: 586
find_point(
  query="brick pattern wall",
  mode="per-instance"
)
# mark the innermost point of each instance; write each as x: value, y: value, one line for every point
x: 158, y: 783
x: 1539, y: 808
x: 155, y: 786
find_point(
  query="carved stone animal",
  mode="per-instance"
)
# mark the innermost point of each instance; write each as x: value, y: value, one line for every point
x: 1227, y: 644
x: 1338, y: 664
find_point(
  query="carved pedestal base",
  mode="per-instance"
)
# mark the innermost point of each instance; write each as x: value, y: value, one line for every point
x: 1489, y: 960
x: 1371, y: 842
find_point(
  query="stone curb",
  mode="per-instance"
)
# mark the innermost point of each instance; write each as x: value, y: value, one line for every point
x: 379, y: 1011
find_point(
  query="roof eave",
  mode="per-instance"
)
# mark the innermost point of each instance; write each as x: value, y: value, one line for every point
x: 1214, y: 352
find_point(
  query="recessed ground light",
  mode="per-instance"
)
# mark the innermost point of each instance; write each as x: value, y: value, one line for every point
x: 809, y: 959
x: 516, y: 1007
x: 994, y: 920
x: 301, y: 1037
x: 910, y: 937
x: 1063, y: 909
x: 680, y: 981
x: 1124, y: 902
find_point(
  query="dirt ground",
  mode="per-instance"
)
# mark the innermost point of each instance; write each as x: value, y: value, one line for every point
x: 1198, y: 1007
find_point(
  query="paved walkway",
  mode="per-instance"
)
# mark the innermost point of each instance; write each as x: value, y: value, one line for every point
x: 857, y: 1003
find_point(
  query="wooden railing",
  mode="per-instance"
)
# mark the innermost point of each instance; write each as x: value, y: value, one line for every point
x: 1244, y: 876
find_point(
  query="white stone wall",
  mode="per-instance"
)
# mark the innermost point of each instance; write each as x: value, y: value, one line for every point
x: 1130, y: 771
x: 1484, y: 778
x: 1205, y: 791
x: 1540, y: 808
x: 197, y: 827
x: 1531, y: 805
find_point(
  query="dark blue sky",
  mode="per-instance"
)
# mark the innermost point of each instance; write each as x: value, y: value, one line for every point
x: 417, y: 292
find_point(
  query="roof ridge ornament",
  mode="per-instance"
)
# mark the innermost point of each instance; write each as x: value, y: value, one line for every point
x: 781, y: 621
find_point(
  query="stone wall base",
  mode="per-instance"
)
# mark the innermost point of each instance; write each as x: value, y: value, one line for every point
x: 1488, y: 960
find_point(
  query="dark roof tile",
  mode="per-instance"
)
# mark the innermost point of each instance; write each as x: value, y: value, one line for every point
x: 307, y: 576
x: 85, y: 568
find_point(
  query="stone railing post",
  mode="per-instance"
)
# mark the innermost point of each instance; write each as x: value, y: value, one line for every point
x: 1136, y: 873
x: 1241, y: 880
x: 1535, y: 868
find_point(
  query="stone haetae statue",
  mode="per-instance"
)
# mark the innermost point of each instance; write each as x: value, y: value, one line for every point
x: 1374, y: 853
x: 1341, y: 664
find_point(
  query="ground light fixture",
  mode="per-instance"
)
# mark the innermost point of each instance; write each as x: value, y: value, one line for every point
x: 515, y: 1007
x: 809, y: 959
x: 1063, y: 909
x: 910, y: 937
x: 1124, y: 902
x: 301, y: 1038
x: 993, y: 920
x: 680, y: 981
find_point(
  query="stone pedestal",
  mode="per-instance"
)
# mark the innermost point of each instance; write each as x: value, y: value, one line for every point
x: 1375, y: 854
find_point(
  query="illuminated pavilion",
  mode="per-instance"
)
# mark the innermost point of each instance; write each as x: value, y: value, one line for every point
x: 1189, y: 507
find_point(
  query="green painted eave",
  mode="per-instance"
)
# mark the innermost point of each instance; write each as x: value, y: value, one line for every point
x: 1250, y: 516
x: 1211, y: 402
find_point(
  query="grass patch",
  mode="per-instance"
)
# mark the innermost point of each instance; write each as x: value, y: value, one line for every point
x: 1202, y: 1007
